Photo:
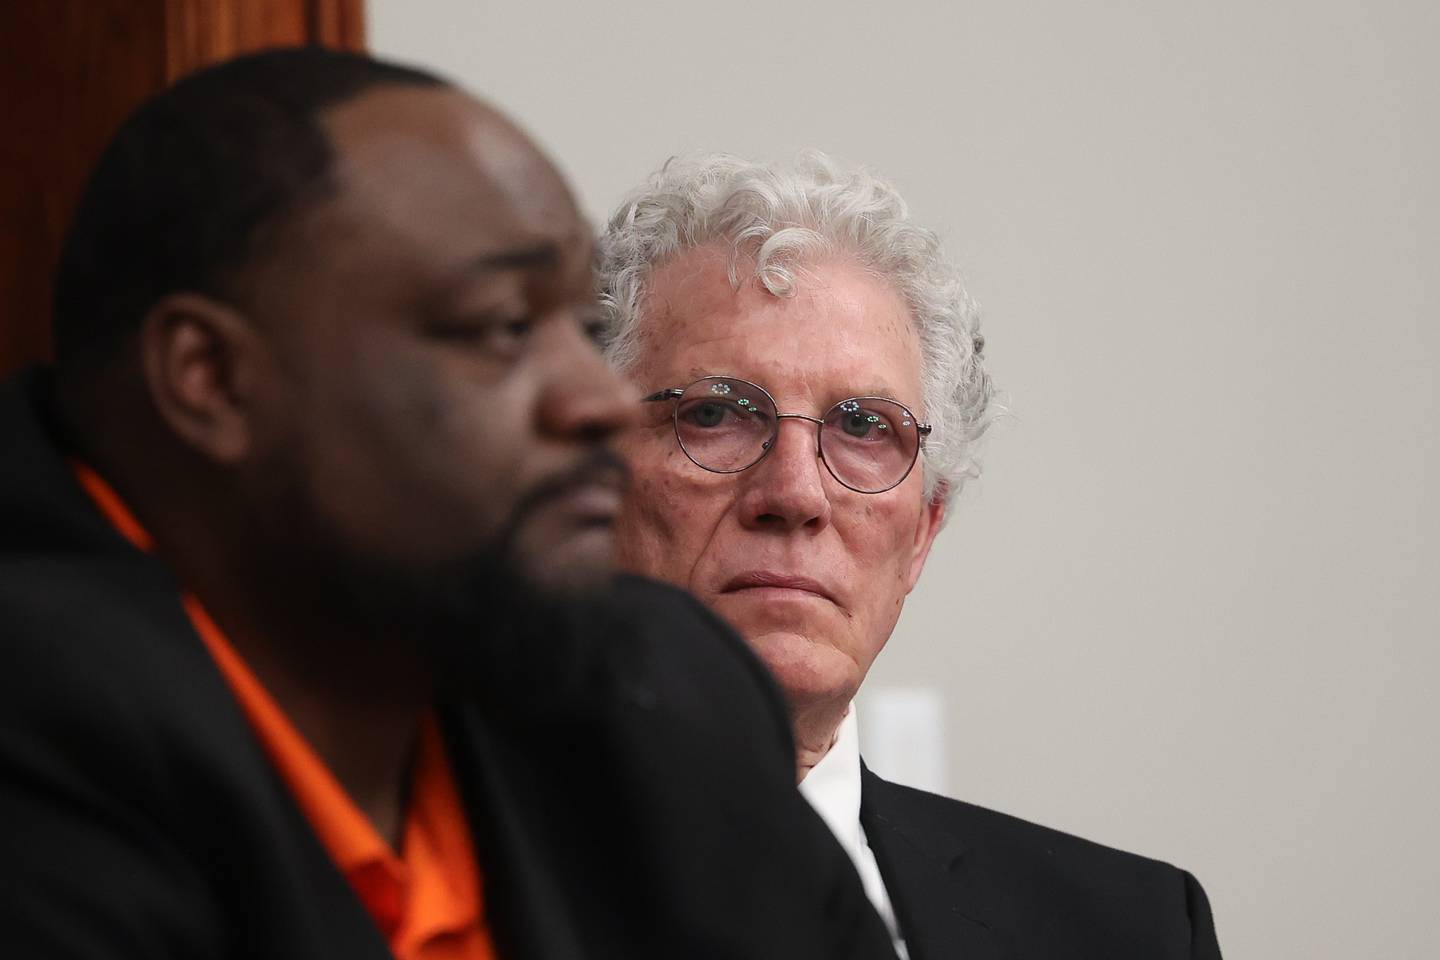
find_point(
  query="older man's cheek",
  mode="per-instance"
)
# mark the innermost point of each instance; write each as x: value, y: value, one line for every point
x: 645, y: 536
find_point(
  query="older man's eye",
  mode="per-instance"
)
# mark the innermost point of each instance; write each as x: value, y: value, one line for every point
x: 706, y: 414
x: 714, y: 414
x: 859, y: 423
x: 867, y: 424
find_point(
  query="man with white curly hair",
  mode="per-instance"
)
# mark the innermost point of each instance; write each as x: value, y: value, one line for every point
x: 814, y: 388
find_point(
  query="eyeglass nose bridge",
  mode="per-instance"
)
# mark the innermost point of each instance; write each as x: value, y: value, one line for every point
x: 793, y: 416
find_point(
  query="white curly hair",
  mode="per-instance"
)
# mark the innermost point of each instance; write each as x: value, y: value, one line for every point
x: 779, y: 216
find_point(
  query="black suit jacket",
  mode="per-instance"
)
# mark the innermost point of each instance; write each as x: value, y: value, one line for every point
x: 971, y: 884
x: 650, y: 812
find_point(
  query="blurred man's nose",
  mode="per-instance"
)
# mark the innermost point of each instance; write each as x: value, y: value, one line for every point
x: 582, y: 398
x: 786, y: 490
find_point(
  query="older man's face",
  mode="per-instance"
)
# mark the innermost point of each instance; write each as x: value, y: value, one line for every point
x: 812, y: 573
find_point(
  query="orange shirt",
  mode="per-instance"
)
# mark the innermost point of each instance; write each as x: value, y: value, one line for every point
x: 427, y: 900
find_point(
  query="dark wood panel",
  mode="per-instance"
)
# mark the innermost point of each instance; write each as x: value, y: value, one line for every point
x: 70, y: 72
x: 338, y: 23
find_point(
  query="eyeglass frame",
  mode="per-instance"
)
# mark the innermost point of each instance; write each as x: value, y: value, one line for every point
x: 675, y: 393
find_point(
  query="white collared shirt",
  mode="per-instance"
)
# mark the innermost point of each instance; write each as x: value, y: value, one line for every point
x: 833, y: 788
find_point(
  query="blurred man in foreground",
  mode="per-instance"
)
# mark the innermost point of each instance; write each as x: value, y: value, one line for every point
x: 302, y: 549
x: 814, y: 388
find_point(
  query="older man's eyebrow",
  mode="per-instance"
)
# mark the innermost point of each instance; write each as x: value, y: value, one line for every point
x: 866, y: 389
x: 875, y: 390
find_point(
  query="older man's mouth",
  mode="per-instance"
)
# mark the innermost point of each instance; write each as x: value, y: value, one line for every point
x: 779, y: 586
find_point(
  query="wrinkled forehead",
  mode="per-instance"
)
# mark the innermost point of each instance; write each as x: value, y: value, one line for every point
x: 841, y: 332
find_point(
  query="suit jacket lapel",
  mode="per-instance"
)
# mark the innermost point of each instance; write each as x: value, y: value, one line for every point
x: 916, y: 861
x: 523, y: 904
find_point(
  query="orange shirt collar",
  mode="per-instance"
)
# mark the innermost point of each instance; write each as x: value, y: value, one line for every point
x: 434, y: 892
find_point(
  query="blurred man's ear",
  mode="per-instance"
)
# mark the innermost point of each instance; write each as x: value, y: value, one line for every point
x: 200, y: 358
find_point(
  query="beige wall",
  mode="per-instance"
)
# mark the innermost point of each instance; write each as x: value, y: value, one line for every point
x: 1190, y: 610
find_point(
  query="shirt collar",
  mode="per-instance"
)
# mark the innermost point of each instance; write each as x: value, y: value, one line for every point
x: 833, y: 785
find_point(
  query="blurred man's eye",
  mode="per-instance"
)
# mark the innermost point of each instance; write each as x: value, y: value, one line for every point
x: 594, y: 328
x: 500, y: 336
x: 592, y: 322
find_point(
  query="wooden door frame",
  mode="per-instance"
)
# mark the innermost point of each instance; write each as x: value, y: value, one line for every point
x: 72, y: 70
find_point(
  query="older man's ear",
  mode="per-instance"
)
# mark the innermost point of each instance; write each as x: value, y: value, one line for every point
x: 927, y: 525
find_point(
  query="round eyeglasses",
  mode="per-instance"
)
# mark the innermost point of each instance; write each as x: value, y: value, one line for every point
x: 726, y: 425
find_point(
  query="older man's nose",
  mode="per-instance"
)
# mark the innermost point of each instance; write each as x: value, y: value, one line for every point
x: 787, y: 488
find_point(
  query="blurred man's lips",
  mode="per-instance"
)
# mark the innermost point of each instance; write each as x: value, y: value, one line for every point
x: 591, y: 503
x: 776, y: 584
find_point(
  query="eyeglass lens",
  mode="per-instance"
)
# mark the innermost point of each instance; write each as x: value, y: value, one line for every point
x: 726, y: 425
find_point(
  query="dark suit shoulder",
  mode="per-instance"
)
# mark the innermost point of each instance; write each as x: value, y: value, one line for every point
x: 97, y: 766
x: 697, y: 661
x: 978, y: 826
x: 662, y: 787
x: 98, y: 636
x: 663, y: 607
x: 1041, y: 891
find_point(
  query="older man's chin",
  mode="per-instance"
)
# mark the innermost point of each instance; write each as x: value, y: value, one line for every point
x: 809, y: 670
